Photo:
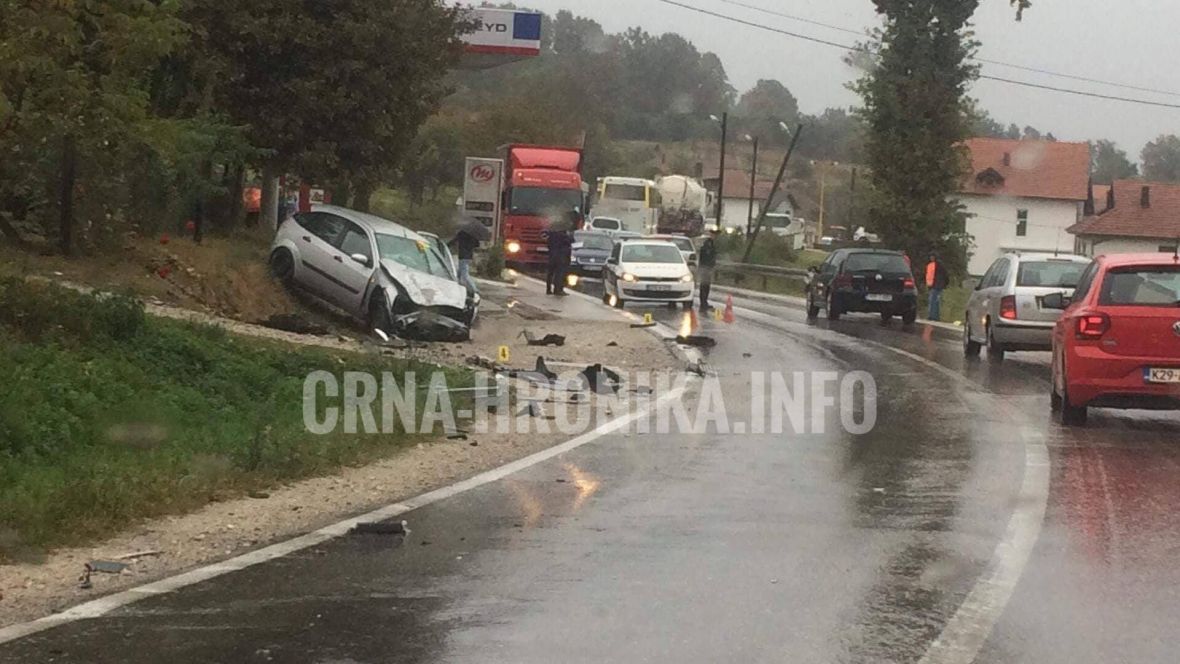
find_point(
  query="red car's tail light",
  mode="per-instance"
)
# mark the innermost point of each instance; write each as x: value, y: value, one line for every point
x: 1092, y: 326
x: 1008, y: 307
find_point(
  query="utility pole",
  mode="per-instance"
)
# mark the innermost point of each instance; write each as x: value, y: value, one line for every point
x: 721, y: 174
x: 778, y: 180
x: 753, y: 179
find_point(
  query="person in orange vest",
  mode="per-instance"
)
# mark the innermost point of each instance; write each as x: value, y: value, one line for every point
x: 937, y: 280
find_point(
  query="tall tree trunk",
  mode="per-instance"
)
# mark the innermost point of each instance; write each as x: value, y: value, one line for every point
x: 69, y: 173
x: 237, y: 183
x: 269, y: 215
x: 362, y: 194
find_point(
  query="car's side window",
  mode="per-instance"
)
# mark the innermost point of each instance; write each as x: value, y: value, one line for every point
x: 326, y: 227
x: 999, y: 273
x: 986, y: 280
x: 355, y: 241
x: 1085, y: 282
x: 829, y: 265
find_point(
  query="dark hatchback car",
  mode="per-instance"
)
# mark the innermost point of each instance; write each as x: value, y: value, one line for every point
x: 869, y: 280
x: 591, y: 249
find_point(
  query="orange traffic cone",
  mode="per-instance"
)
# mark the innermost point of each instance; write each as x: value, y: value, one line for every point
x: 693, y: 323
x: 729, y: 309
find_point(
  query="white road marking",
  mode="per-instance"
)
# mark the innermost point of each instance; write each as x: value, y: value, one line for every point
x: 104, y: 605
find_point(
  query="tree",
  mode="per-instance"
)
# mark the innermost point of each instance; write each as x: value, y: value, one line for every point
x: 73, y: 101
x: 764, y: 106
x: 918, y: 115
x: 1161, y: 159
x: 1109, y: 163
x: 329, y: 91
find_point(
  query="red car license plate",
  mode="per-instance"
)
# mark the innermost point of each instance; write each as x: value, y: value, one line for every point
x: 1160, y: 375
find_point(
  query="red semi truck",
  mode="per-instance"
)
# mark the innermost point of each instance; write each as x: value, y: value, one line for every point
x: 542, y: 184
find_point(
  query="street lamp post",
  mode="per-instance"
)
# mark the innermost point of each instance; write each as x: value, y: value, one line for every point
x: 753, y: 179
x: 724, y: 120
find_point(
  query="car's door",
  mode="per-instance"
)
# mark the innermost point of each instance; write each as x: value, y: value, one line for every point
x: 610, y: 273
x: 350, y: 276
x: 317, y: 234
x: 976, y: 303
x: 827, y: 272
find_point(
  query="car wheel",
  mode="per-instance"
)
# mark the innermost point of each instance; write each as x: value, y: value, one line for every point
x: 971, y: 347
x: 909, y: 317
x: 995, y: 351
x: 1071, y: 415
x: 686, y: 305
x: 886, y: 316
x: 379, y: 318
x: 812, y: 309
x: 282, y: 266
x: 833, y: 310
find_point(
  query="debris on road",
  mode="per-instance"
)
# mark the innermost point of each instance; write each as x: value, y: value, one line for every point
x: 747, y: 355
x: 613, y: 344
x: 643, y: 325
x: 547, y: 340
x: 380, y: 528
x: 532, y: 409
x: 602, y: 380
x: 106, y: 566
x: 696, y: 341
x: 141, y: 554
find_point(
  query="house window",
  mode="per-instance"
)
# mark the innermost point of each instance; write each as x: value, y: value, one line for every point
x: 1021, y: 223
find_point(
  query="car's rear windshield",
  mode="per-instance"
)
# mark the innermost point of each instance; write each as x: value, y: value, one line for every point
x: 651, y: 253
x: 683, y: 243
x: 606, y: 222
x: 414, y: 254
x: 594, y: 241
x: 1050, y: 274
x: 876, y: 262
x: 1142, y: 286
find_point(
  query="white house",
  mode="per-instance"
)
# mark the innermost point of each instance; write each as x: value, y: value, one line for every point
x: 1023, y: 196
x: 1136, y: 217
x: 735, y: 201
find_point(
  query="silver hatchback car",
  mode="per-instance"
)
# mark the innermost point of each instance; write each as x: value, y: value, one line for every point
x: 381, y: 273
x: 1006, y: 311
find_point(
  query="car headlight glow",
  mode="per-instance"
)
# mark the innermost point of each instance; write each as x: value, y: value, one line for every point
x: 686, y: 278
x: 512, y: 247
x: 627, y: 276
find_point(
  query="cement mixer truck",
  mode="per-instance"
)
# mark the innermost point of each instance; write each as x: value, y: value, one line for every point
x: 683, y: 205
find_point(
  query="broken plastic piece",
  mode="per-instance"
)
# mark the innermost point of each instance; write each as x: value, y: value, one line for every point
x: 380, y: 528
x: 547, y: 340
x: 106, y: 566
x: 696, y: 341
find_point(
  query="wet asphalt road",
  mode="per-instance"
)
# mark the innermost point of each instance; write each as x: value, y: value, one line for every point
x: 805, y: 547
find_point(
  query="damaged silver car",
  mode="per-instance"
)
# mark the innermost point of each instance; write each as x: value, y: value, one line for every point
x: 387, y: 276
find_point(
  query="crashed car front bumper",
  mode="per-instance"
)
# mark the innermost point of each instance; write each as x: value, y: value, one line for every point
x: 434, y: 324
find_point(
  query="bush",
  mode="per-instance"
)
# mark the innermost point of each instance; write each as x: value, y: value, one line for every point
x: 107, y: 416
x: 491, y: 266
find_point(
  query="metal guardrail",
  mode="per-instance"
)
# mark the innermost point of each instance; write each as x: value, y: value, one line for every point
x: 763, y: 272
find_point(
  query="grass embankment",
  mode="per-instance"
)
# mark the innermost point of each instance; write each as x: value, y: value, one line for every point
x: 108, y: 416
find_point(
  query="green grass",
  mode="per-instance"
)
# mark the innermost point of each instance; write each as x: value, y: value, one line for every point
x: 108, y: 416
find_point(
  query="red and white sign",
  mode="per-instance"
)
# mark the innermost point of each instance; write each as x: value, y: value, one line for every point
x: 481, y: 190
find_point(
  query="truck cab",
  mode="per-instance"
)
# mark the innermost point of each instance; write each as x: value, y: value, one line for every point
x: 542, y: 185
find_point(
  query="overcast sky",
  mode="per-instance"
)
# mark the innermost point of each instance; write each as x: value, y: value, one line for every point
x: 1125, y: 41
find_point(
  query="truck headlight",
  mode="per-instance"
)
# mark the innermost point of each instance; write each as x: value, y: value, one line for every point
x: 513, y: 247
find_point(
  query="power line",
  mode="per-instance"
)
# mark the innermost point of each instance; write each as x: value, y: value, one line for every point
x: 998, y: 63
x: 861, y: 49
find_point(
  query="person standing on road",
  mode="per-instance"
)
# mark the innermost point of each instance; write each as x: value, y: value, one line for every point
x: 560, y: 247
x: 937, y: 280
x: 465, y: 245
x: 706, y: 262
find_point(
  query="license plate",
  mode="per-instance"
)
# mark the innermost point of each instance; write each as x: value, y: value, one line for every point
x: 659, y: 287
x: 878, y: 297
x: 1155, y: 375
x: 542, y: 250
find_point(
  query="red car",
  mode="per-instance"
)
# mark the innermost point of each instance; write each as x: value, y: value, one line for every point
x: 1117, y: 345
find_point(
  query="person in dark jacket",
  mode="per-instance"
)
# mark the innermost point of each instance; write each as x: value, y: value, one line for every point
x: 937, y: 279
x: 465, y: 245
x: 560, y: 246
x: 706, y: 262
